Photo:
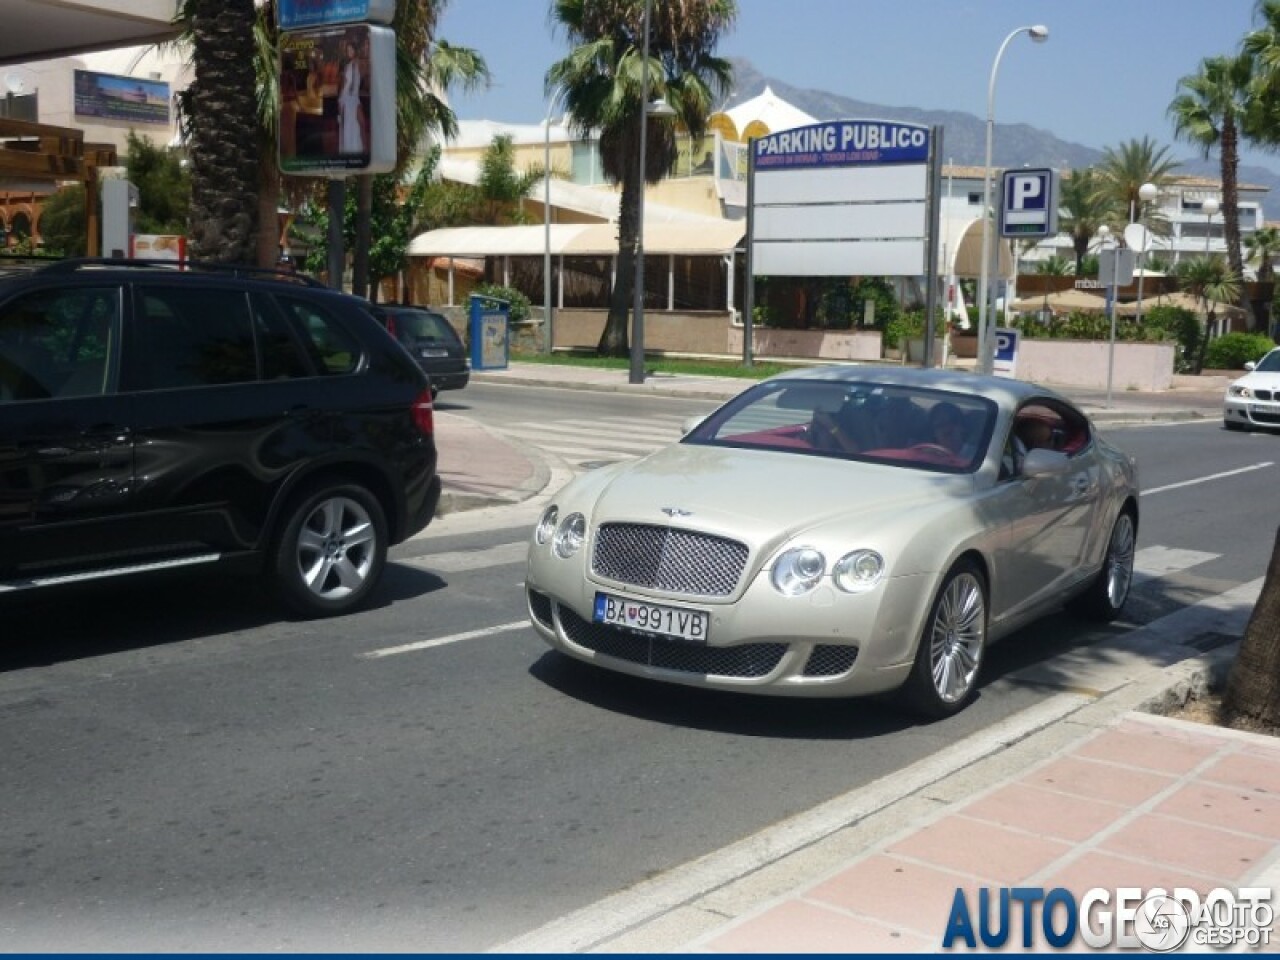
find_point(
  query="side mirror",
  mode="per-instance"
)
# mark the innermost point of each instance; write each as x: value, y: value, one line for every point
x: 1041, y: 462
x: 1250, y: 364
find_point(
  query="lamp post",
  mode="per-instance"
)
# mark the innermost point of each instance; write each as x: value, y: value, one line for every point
x: 636, y: 373
x: 547, y: 309
x: 1146, y: 193
x: 1039, y: 34
x: 1210, y: 207
x: 1104, y: 235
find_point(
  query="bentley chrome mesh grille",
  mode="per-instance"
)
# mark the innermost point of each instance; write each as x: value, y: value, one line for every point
x: 540, y: 607
x: 830, y: 660
x: 748, y: 660
x: 661, y: 558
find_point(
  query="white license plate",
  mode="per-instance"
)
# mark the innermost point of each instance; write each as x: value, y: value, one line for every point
x: 433, y: 352
x: 651, y: 617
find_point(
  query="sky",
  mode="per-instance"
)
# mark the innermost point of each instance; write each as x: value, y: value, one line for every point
x: 1105, y: 75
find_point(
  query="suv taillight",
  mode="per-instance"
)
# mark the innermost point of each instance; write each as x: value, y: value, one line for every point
x: 423, y: 416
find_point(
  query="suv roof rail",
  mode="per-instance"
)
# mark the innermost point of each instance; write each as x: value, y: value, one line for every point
x: 74, y: 264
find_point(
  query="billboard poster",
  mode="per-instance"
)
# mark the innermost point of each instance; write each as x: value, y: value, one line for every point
x: 104, y: 96
x: 337, y: 100
x: 154, y: 246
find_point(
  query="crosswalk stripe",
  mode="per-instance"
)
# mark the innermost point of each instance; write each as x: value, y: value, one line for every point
x: 1153, y: 562
x: 563, y: 429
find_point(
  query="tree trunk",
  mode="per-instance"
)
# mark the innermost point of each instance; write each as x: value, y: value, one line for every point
x: 364, y: 235
x: 225, y: 135
x: 1230, y: 207
x: 613, y: 340
x: 1253, y: 687
x: 269, y: 243
x: 1203, y: 348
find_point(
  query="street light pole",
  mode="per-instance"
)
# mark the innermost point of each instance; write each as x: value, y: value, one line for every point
x: 636, y: 374
x: 1039, y: 34
x: 1146, y: 193
x: 547, y: 309
x: 1210, y: 207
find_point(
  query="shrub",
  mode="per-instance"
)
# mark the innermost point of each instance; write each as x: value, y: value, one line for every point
x: 518, y: 301
x: 1232, y: 351
x: 902, y: 328
x: 1177, y: 323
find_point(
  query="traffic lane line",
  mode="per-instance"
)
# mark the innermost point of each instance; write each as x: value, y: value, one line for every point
x: 1206, y: 479
x: 444, y: 641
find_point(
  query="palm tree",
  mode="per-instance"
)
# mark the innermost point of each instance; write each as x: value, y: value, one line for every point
x: 1125, y: 169
x: 1055, y: 266
x: 1263, y: 246
x: 1212, y: 281
x: 225, y: 140
x: 1085, y: 207
x: 502, y: 187
x: 1209, y: 112
x: 601, y: 80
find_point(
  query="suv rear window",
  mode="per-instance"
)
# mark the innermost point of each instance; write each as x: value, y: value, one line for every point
x: 332, y: 347
x: 412, y: 326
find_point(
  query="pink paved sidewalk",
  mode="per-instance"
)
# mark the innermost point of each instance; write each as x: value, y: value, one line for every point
x: 1146, y: 802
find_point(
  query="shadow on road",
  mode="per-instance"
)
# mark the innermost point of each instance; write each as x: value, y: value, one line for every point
x: 744, y: 714
x: 69, y: 623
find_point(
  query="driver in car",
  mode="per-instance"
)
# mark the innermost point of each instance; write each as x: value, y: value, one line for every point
x: 946, y: 424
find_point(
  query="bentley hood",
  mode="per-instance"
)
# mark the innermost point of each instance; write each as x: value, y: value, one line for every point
x: 755, y: 495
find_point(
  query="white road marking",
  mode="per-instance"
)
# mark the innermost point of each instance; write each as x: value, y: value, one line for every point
x: 1153, y: 562
x: 443, y: 641
x: 1212, y: 476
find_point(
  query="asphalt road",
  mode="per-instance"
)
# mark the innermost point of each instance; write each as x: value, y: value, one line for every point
x: 183, y: 770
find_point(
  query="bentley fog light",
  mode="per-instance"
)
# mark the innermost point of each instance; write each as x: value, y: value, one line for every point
x: 858, y: 571
x: 797, y: 572
x: 547, y: 525
x: 569, y: 536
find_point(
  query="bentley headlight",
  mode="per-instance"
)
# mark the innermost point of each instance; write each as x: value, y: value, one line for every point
x: 547, y: 525
x: 1236, y: 390
x: 570, y: 534
x: 797, y: 572
x: 858, y: 571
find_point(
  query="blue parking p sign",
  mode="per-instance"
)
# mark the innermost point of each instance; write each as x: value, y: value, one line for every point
x: 1029, y: 203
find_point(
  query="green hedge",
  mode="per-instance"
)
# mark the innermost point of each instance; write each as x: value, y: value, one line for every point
x: 518, y: 301
x: 1232, y: 351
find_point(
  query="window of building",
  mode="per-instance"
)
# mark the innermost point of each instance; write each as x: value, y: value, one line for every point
x: 587, y: 167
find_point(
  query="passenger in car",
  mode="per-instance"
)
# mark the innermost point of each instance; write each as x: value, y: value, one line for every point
x: 1034, y: 433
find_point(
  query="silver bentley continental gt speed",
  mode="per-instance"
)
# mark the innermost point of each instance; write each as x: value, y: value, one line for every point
x: 840, y: 531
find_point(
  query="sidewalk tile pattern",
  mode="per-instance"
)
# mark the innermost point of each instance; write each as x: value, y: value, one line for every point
x: 1144, y: 803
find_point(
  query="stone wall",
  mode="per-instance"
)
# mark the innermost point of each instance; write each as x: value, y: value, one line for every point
x: 1083, y: 363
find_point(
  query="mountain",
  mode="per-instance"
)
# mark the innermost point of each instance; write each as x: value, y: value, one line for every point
x: 964, y: 135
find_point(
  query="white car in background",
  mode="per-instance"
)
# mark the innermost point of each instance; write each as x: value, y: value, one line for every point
x: 1253, y: 401
x: 840, y: 531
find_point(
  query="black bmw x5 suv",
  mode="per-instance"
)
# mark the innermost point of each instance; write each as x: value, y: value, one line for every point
x: 153, y: 418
